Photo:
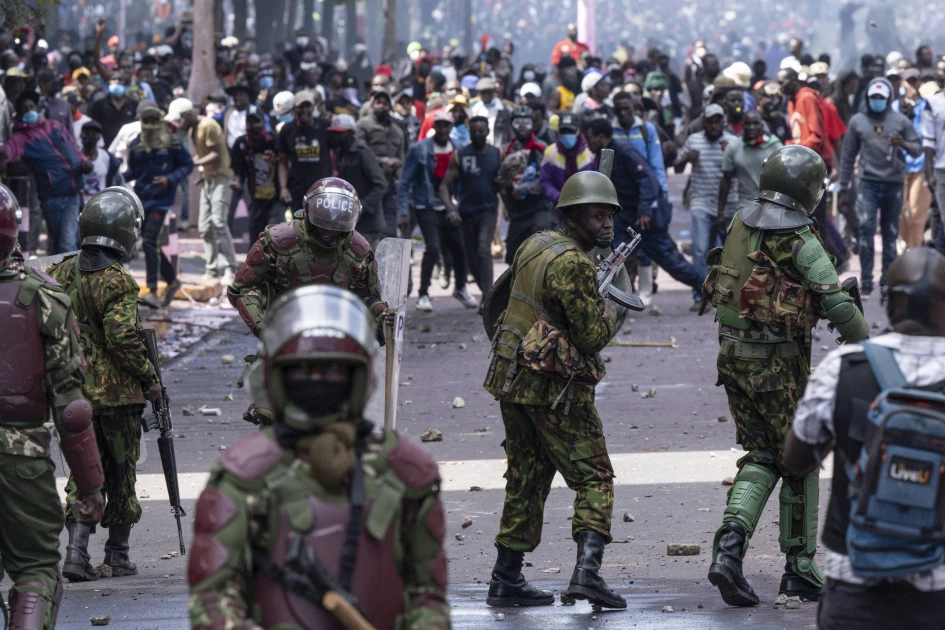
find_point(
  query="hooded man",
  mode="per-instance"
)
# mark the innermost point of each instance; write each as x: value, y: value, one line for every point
x: 878, y: 138
x: 567, y: 156
x: 495, y: 110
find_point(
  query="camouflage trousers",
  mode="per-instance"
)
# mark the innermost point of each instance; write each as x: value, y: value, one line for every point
x: 762, y: 396
x: 30, y: 524
x: 539, y: 442
x: 118, y: 433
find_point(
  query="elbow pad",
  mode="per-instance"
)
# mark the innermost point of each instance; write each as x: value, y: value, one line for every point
x: 80, y: 448
x: 846, y: 318
x: 814, y: 263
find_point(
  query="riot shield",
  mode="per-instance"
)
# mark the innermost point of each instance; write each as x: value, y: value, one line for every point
x: 393, y: 268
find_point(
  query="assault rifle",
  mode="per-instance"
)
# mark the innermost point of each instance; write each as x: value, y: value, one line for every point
x: 609, y: 267
x: 160, y: 418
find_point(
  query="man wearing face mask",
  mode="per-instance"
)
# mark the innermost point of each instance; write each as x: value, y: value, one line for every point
x: 878, y: 137
x: 255, y: 162
x: 282, y: 105
x: 157, y: 163
x: 567, y: 156
x: 768, y: 97
x: 525, y: 204
x: 294, y: 52
x: 357, y: 165
x: 495, y: 110
x: 474, y: 169
x: 547, y: 406
x: 303, y: 151
x: 115, y: 110
x: 106, y: 168
x: 386, y: 141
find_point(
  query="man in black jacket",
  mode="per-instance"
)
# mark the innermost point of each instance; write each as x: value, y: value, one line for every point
x: 253, y: 159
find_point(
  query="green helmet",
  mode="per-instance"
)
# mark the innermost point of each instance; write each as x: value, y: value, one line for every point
x: 794, y: 177
x: 588, y: 187
x: 112, y: 219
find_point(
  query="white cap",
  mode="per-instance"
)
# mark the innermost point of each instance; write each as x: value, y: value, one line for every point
x: 530, y: 88
x: 590, y: 80
x: 878, y: 87
x: 230, y: 42
x: 177, y: 109
x: 282, y: 103
x: 740, y: 73
x: 791, y: 62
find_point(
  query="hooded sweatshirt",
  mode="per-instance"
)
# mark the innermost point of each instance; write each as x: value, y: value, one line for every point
x: 868, y: 135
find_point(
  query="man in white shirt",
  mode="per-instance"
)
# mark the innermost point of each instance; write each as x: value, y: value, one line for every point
x: 830, y: 415
x: 105, y: 167
x: 492, y: 107
x: 933, y: 142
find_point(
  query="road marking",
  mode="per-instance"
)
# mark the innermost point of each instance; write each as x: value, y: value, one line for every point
x: 631, y: 469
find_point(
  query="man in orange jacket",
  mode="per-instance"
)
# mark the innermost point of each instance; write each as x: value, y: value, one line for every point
x: 569, y: 46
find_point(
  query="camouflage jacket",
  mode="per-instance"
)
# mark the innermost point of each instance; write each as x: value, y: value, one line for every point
x: 286, y: 256
x: 118, y: 360
x: 65, y: 366
x: 261, y: 497
x: 550, y: 336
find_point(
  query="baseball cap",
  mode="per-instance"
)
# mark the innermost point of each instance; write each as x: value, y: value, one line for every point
x: 177, y: 109
x: 929, y: 89
x: 911, y: 73
x: 147, y: 106
x: 590, y: 80
x: 530, y: 88
x: 485, y: 83
x: 714, y: 110
x: 880, y: 88
x: 569, y: 122
x: 81, y: 72
x: 818, y: 67
x: 305, y: 96
x: 93, y: 124
x: 893, y: 72
x: 442, y: 115
x: 342, y: 122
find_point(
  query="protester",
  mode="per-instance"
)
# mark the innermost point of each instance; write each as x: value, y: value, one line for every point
x: 519, y: 180
x: 387, y: 142
x: 567, y: 156
x: 357, y: 165
x: 742, y: 162
x: 254, y: 161
x: 106, y: 168
x: 303, y: 151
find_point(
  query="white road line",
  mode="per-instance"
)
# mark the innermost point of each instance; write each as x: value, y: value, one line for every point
x: 631, y: 469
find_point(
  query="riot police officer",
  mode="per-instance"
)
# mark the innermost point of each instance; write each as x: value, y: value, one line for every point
x: 42, y: 371
x: 547, y: 401
x: 121, y: 376
x: 317, y: 504
x: 321, y: 247
x: 769, y: 284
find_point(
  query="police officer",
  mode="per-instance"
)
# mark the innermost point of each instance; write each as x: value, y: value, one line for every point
x: 317, y: 494
x: 769, y: 284
x: 547, y: 401
x: 320, y: 248
x: 41, y: 372
x: 120, y: 378
x: 832, y: 414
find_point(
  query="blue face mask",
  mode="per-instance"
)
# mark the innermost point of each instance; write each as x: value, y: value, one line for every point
x: 30, y: 117
x: 568, y: 140
x: 266, y: 83
x: 284, y: 118
x: 877, y: 105
x: 117, y: 89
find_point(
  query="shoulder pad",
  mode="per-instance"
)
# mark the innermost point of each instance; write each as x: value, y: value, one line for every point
x: 283, y: 235
x: 46, y: 278
x: 207, y: 556
x: 765, y: 215
x: 252, y: 457
x: 812, y: 260
x: 256, y: 255
x: 214, y: 510
x: 359, y: 245
x: 412, y: 463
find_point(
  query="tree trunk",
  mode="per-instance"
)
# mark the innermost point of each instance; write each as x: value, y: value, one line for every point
x: 203, y: 74
x: 269, y: 23
x: 328, y: 23
x: 351, y: 28
x: 308, y: 22
x: 219, y: 23
x: 389, y: 52
x: 240, y: 8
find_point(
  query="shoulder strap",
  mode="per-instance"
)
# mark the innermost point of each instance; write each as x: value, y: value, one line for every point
x: 550, y: 242
x: 885, y: 369
x: 92, y: 327
x: 28, y: 290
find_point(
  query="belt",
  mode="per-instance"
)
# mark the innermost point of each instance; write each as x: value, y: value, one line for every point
x: 746, y: 350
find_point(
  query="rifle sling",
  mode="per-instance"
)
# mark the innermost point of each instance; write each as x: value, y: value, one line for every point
x: 349, y: 553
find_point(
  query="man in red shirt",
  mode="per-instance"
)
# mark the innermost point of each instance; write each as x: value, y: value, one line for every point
x: 569, y: 46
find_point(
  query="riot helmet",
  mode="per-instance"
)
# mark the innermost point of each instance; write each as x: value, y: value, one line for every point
x: 9, y: 225
x: 588, y: 187
x: 916, y: 299
x: 332, y: 204
x: 318, y: 345
x: 794, y: 177
x: 112, y: 219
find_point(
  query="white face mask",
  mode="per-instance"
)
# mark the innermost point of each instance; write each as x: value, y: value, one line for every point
x: 851, y: 98
x: 301, y: 41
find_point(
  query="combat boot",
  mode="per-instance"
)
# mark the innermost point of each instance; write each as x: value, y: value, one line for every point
x: 586, y: 582
x: 508, y: 586
x: 726, y: 569
x: 77, y: 567
x: 116, y: 551
x: 802, y: 579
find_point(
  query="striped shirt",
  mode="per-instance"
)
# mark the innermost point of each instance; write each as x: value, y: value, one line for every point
x: 707, y: 173
x: 922, y: 361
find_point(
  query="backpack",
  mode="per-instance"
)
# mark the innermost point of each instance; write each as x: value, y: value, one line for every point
x: 897, y: 490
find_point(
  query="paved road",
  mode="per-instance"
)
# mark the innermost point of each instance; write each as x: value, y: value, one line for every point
x: 671, y: 452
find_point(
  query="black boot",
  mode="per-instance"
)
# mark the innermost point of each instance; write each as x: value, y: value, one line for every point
x: 795, y: 585
x: 509, y: 587
x: 586, y: 583
x: 726, y: 569
x: 77, y: 567
x: 116, y: 551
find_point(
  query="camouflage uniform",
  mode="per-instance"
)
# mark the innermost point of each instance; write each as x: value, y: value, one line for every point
x: 31, y: 518
x: 105, y: 303
x: 544, y: 367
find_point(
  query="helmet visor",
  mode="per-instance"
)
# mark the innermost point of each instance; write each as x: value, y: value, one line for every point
x: 333, y: 209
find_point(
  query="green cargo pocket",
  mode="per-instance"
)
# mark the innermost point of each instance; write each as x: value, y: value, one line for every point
x: 586, y: 449
x: 32, y: 469
x: 765, y: 382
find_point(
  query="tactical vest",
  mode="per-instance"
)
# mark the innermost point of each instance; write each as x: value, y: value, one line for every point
x: 295, y: 265
x: 23, y: 370
x: 527, y: 336
x: 755, y: 300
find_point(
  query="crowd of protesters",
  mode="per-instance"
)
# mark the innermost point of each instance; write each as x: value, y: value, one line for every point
x: 464, y: 148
